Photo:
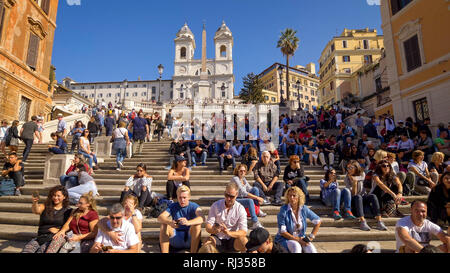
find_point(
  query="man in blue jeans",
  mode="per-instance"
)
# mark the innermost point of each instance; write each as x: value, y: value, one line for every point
x: 227, y: 158
x: 27, y: 133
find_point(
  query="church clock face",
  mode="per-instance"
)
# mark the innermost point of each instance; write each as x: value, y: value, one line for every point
x: 182, y: 70
x: 223, y: 69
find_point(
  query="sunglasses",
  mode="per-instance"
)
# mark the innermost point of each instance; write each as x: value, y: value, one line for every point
x: 230, y: 196
x: 242, y: 170
x: 140, y: 171
x: 115, y: 218
x: 385, y: 166
x: 350, y: 168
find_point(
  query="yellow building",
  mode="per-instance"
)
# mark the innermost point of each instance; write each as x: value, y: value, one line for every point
x: 418, y: 52
x: 27, y: 29
x: 303, y: 84
x: 342, y: 56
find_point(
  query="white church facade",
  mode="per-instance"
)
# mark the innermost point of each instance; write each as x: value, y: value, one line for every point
x: 199, y: 79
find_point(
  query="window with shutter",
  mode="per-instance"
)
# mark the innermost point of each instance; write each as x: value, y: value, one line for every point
x: 412, y: 53
x: 45, y: 5
x: 33, y: 47
x: 394, y: 7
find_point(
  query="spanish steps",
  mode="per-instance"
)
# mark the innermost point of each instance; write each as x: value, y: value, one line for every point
x: 18, y: 225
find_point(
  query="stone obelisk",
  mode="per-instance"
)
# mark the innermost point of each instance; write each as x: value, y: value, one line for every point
x: 203, y: 85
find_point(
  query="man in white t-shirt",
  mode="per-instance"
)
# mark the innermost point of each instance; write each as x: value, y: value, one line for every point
x: 129, y: 239
x: 414, y: 232
x: 227, y: 223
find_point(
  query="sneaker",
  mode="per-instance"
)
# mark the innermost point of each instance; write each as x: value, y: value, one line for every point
x: 266, y: 202
x: 203, y: 164
x: 262, y: 213
x: 364, y: 226
x: 277, y: 203
x: 381, y: 226
x: 221, y: 172
x: 117, y: 169
x: 121, y: 164
x: 349, y: 215
x: 404, y: 202
x: 257, y: 225
x: 17, y: 192
x: 194, y: 165
x: 167, y: 168
x: 325, y: 167
x: 337, y: 215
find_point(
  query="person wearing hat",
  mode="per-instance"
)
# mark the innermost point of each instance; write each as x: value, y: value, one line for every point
x: 400, y: 129
x: 260, y: 241
x: 178, y: 175
x: 62, y: 125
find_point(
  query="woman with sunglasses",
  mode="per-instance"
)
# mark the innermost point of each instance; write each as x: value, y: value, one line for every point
x: 178, y: 175
x: 248, y: 196
x: 139, y: 185
x: 292, y: 223
x: 388, y: 189
x: 81, y: 227
x: 332, y: 196
x: 294, y: 175
x: 360, y: 200
x: 85, y: 149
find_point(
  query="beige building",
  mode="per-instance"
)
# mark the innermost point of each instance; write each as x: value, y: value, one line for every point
x: 342, y: 56
x: 27, y: 30
x: 303, y: 84
x: 418, y: 58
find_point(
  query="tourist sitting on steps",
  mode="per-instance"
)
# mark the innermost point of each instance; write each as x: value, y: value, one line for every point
x: 86, y: 184
x: 333, y: 197
x: 199, y: 153
x: 294, y: 175
x: 439, y: 201
x: 178, y: 175
x: 414, y: 232
x: 61, y: 144
x: 266, y: 177
x: 419, y: 177
x: 132, y: 215
x: 72, y: 181
x: 129, y: 241
x: 54, y: 213
x: 227, y: 223
x: 292, y: 223
x: 226, y: 158
x: 181, y: 223
x: 361, y: 201
x: 139, y: 185
x: 80, y: 229
x: 248, y: 196
x: 14, y: 169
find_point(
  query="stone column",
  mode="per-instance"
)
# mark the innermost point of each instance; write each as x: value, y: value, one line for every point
x: 103, y: 146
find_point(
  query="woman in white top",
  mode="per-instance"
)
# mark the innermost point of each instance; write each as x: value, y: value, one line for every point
x: 85, y: 149
x: 354, y: 181
x: 139, y: 185
x: 121, y: 141
x: 418, y: 176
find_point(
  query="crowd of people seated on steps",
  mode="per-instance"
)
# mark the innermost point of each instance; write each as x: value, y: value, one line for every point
x: 379, y: 162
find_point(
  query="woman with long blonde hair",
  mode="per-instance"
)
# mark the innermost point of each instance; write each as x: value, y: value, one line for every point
x: 292, y: 223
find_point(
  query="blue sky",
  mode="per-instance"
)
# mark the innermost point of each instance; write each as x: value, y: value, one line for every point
x: 105, y: 40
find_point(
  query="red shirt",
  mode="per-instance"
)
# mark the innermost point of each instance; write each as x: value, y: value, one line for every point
x: 83, y: 222
x: 72, y: 168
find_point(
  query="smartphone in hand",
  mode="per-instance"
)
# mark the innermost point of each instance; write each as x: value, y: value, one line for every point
x: 306, y: 239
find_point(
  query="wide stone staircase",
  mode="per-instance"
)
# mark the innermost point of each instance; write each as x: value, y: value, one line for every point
x: 18, y: 225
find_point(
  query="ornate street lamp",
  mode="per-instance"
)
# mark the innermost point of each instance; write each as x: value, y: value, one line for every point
x: 298, y: 94
x: 160, y: 71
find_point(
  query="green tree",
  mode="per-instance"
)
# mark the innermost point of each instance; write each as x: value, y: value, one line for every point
x: 252, y: 90
x: 288, y: 43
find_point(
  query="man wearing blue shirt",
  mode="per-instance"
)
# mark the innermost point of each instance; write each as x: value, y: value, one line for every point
x: 183, y: 230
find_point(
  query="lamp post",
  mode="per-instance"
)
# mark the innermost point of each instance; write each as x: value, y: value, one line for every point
x: 160, y: 70
x: 280, y: 72
x: 298, y: 94
x: 125, y: 83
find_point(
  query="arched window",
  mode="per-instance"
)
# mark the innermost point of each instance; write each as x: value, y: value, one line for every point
x: 223, y: 51
x: 183, y: 53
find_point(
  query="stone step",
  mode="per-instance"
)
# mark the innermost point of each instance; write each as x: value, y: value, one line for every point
x: 326, y: 234
x: 27, y: 218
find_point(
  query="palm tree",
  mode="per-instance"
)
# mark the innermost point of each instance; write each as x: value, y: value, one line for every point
x: 289, y: 44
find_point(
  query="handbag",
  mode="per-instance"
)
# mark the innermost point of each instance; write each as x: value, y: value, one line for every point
x: 7, y: 187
